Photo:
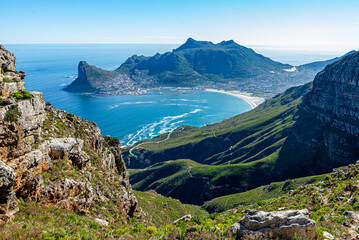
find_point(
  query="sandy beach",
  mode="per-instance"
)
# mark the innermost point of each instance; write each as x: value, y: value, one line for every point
x: 252, y: 101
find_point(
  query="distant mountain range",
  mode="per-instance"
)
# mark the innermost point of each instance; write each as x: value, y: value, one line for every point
x: 226, y: 65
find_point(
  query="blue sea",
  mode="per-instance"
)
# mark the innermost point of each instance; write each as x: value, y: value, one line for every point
x: 49, y: 68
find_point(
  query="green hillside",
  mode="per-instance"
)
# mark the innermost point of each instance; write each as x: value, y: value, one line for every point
x: 225, y: 157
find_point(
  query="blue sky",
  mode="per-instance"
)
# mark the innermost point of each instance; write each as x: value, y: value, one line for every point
x: 250, y: 22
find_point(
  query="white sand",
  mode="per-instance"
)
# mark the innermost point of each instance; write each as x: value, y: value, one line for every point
x: 252, y: 101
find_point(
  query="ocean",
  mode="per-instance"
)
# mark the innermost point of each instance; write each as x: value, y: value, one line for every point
x: 49, y: 68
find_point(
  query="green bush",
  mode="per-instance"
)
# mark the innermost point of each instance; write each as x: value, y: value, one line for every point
x: 2, y: 71
x: 22, y: 95
x: 5, y: 79
x: 12, y: 115
x: 151, y: 229
x: 113, y: 142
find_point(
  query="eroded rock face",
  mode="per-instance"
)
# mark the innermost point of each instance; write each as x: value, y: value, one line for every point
x: 8, y: 201
x: 64, y: 147
x: 27, y: 153
x: 70, y: 194
x: 7, y: 60
x: 327, y: 129
x: 276, y: 225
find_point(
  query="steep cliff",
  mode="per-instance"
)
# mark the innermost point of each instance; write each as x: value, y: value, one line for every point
x: 326, y: 134
x: 56, y: 158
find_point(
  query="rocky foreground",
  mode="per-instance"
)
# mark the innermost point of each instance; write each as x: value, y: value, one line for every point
x: 55, y: 158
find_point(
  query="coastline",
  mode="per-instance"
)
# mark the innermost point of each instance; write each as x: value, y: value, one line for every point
x: 253, y: 102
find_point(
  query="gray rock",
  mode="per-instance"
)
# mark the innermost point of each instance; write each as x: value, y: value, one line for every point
x: 6, y: 88
x: 328, y: 235
x: 63, y: 147
x: 7, y: 60
x: 352, y: 215
x: 80, y: 159
x: 70, y: 194
x: 185, y: 218
x: 101, y: 222
x: 277, y: 225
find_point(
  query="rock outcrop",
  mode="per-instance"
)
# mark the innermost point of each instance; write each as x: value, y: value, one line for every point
x: 55, y: 157
x: 290, y: 224
x: 327, y: 129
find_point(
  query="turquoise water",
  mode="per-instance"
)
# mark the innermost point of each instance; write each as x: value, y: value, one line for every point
x: 49, y: 68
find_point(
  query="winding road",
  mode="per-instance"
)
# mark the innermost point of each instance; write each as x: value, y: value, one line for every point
x: 134, y: 155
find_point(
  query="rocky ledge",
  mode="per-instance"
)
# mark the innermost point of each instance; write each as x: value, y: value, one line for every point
x: 54, y: 157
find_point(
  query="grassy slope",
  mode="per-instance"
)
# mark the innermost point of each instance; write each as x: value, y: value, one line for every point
x: 163, y: 210
x: 327, y: 198
x: 247, y: 137
x: 226, y: 157
x: 271, y: 191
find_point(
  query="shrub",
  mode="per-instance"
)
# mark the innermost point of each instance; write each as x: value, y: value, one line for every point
x: 151, y: 229
x: 113, y: 142
x: 22, y: 95
x: 15, y: 80
x: 2, y: 71
x: 12, y: 115
x: 356, y: 206
x: 5, y: 79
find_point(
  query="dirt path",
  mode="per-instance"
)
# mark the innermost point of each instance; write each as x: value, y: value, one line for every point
x: 134, y: 155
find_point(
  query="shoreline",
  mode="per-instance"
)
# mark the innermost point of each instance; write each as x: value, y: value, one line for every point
x: 253, y: 102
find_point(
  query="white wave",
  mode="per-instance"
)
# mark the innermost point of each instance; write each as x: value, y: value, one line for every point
x: 151, y: 130
x: 196, y: 111
x: 130, y: 103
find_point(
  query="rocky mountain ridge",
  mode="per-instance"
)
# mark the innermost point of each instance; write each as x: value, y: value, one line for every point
x: 53, y: 157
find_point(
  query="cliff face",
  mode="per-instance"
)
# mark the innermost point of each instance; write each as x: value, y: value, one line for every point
x: 326, y: 134
x: 49, y: 155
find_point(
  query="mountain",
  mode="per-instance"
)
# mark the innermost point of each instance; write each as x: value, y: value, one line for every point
x: 196, y: 62
x: 203, y: 64
x: 319, y: 125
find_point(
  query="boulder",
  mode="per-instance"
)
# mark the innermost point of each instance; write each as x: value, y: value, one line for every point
x: 64, y: 147
x: 101, y: 222
x: 276, y: 225
x: 328, y: 236
x: 353, y: 216
x: 80, y: 159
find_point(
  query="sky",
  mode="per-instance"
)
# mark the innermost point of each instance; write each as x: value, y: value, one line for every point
x: 248, y: 22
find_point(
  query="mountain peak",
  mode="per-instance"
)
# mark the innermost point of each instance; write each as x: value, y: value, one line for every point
x: 192, y: 43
